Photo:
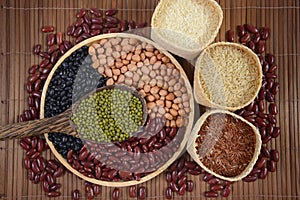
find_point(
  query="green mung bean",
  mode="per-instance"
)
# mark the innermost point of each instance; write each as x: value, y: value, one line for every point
x: 109, y: 115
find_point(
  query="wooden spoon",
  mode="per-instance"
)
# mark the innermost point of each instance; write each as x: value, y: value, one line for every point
x: 59, y: 123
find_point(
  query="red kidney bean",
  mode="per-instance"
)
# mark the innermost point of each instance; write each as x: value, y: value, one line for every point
x: 271, y: 166
x: 95, y: 32
x: 27, y: 163
x: 174, y: 187
x: 46, y: 29
x: 181, y: 181
x: 22, y: 118
x: 265, y: 67
x: 272, y: 69
x: 86, y: 28
x: 55, y: 187
x: 85, y: 36
x: 114, y: 30
x: 274, y: 155
x: 111, y: 12
x: 30, y: 152
x: 78, y: 31
x: 79, y: 22
x: 260, y: 121
x: 251, y: 28
x: 132, y: 191
x: 214, y: 181
x: 245, y: 38
x: 269, y: 96
x: 269, y: 129
x: 97, y: 20
x: 81, y: 13
x: 190, y: 186
x: 266, y: 139
x: 62, y: 49
x: 169, y: 193
x: 270, y: 75
x: 112, y: 20
x: 182, y: 189
x: 50, y: 39
x: 79, y: 39
x: 270, y: 58
x: 265, y: 152
x: 28, y: 114
x: 265, y: 33
x: 37, y: 103
x: 250, y: 178
x: 29, y: 87
x: 260, y: 47
x: 34, y: 77
x: 49, y: 179
x: 45, y: 62
x: 54, y: 57
x: 256, y: 38
x: 59, y: 38
x: 142, y: 193
x: 71, y: 30
x: 37, y: 84
x: 141, y: 25
x: 273, y: 109
x: 95, y: 12
x: 275, y: 88
x: 211, y: 194
x: 45, y: 56
x: 37, y: 49
x: 168, y: 177
x: 207, y: 177
x: 251, y: 45
x: 112, y: 173
x: 33, y: 69
x: 34, y: 167
x: 96, y: 27
x: 96, y: 189
x: 123, y: 25
x: 24, y: 145
x: 41, y: 163
x: 230, y: 36
x: 241, y: 30
x: 276, y: 132
x: 226, y: 191
x: 131, y: 25
x: 264, y: 172
x: 59, y: 172
x: 43, y: 176
x: 190, y: 164
x: 75, y: 194
x: 217, y: 187
x: 270, y: 83
x: 46, y: 186
x: 194, y: 172
x: 116, y: 194
x: 255, y: 171
x: 261, y: 162
x: 53, y: 194
x: 271, y: 118
x: 109, y: 25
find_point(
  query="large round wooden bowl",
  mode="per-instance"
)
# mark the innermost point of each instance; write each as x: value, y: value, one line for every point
x: 182, y: 146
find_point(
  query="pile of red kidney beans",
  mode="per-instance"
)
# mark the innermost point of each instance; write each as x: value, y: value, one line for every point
x: 90, y: 22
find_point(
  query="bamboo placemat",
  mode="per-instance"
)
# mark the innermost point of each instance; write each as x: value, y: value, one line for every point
x: 20, y: 30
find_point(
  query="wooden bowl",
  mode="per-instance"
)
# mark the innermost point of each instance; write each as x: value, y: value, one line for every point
x: 182, y: 146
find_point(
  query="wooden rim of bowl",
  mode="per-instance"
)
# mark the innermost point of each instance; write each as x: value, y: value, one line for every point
x: 191, y: 148
x: 199, y: 94
x: 182, y: 146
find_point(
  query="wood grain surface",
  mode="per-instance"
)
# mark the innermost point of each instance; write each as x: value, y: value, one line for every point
x: 20, y: 30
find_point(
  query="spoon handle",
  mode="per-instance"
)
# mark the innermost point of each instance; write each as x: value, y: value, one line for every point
x: 58, y: 123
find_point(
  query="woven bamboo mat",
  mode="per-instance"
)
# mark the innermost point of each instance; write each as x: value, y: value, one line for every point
x: 20, y: 30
